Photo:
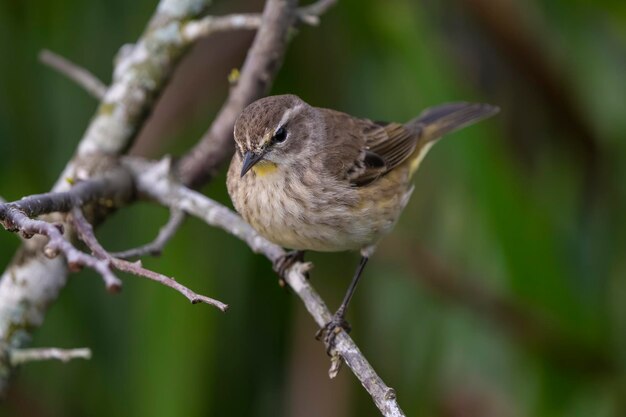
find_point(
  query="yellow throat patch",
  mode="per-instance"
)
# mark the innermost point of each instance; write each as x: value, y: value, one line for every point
x: 263, y: 168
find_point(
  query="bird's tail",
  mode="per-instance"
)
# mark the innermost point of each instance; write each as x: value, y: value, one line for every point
x: 438, y: 121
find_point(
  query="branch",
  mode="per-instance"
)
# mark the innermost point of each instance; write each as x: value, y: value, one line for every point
x: 155, y: 248
x: 115, y: 188
x: 208, y: 25
x: 156, y: 182
x: 21, y: 356
x: 140, y: 74
x: 196, y: 29
x: 79, y: 75
x: 31, y: 282
x: 57, y: 244
x: 257, y: 74
x: 86, y: 234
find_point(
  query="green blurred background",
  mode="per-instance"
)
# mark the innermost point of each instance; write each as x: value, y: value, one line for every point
x: 502, y: 291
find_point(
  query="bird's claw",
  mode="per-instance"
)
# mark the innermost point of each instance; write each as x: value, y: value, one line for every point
x: 282, y: 264
x: 329, y: 332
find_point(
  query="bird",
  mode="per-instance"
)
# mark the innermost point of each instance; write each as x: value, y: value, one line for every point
x: 316, y: 179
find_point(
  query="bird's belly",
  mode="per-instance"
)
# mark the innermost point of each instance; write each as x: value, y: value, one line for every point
x: 326, y: 220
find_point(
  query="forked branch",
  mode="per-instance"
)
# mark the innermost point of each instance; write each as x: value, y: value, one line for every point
x: 16, y: 217
x: 155, y: 248
x: 86, y: 234
x: 156, y: 182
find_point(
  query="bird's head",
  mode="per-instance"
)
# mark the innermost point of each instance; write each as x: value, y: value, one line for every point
x: 275, y: 131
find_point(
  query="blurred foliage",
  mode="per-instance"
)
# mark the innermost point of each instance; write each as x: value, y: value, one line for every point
x: 529, y: 205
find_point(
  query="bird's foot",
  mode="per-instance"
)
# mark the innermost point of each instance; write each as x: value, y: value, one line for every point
x: 285, y: 262
x: 329, y: 332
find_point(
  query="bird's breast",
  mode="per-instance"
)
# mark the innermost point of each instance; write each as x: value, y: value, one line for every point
x: 300, y: 209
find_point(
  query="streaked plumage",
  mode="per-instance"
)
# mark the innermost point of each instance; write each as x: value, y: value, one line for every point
x: 337, y: 182
x: 308, y: 178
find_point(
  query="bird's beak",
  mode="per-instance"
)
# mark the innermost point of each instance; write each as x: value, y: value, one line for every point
x: 249, y: 160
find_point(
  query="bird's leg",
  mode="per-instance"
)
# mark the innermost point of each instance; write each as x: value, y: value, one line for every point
x: 284, y: 262
x: 338, y: 321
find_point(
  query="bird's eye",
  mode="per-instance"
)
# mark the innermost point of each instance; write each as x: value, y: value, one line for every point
x: 280, y: 135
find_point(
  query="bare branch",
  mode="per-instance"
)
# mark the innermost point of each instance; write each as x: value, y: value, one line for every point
x: 86, y: 234
x: 257, y: 74
x: 156, y: 182
x: 57, y: 244
x: 31, y: 282
x: 79, y: 75
x: 155, y: 248
x: 115, y: 188
x: 22, y: 356
x: 196, y: 29
x: 208, y: 25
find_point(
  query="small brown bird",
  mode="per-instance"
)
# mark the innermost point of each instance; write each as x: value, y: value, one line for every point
x: 309, y: 178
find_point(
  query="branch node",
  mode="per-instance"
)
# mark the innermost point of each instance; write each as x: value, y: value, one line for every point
x: 74, y: 266
x: 114, y: 287
x: 50, y: 252
x: 390, y: 394
x: 335, y: 365
x: 26, y: 235
x: 59, y: 227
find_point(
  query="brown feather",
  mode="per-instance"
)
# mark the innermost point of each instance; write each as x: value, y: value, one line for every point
x: 376, y: 148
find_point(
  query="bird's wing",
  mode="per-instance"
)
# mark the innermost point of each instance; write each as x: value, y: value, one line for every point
x: 369, y: 150
x: 360, y: 150
x: 385, y: 146
x: 392, y: 141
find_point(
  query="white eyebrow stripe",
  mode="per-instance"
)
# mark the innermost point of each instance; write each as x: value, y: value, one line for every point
x: 248, y: 141
x: 289, y: 113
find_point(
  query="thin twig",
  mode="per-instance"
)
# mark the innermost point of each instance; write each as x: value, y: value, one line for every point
x: 22, y: 356
x: 156, y: 182
x: 196, y: 29
x: 155, y: 248
x: 86, y: 234
x: 78, y: 74
x: 15, y: 220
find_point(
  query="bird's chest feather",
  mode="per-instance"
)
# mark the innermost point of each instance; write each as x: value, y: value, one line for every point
x: 273, y: 205
x: 304, y: 210
x: 295, y: 210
